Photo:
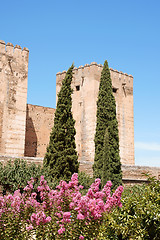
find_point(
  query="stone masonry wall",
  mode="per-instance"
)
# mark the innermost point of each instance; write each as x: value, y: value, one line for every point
x: 85, y: 85
x: 13, y: 98
x: 39, y: 123
x: 131, y: 174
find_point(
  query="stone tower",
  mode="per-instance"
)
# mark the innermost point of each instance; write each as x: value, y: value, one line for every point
x: 13, y: 98
x: 85, y: 86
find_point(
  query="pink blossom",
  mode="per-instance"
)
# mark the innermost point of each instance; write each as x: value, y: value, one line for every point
x: 30, y: 227
x: 58, y: 214
x: 62, y: 203
x: 80, y: 216
x: 33, y: 195
x: 61, y: 230
x: 48, y: 219
x: 66, y: 214
x: 81, y: 237
x: 71, y: 205
x: 10, y: 197
x: 42, y: 178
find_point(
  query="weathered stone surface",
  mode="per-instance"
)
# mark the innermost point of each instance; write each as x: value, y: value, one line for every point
x: 39, y: 123
x: 135, y: 172
x: 13, y: 98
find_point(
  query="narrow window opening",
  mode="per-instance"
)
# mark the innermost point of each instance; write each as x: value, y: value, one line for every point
x: 82, y: 80
x: 77, y: 87
x: 114, y: 90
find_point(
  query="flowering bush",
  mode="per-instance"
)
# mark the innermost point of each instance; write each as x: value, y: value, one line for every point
x: 62, y: 213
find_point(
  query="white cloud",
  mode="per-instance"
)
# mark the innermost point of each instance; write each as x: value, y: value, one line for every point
x: 147, y: 146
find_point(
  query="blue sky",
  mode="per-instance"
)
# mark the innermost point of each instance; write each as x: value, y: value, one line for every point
x: 126, y: 33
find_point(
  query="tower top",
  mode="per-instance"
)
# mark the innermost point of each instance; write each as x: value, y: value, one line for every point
x: 97, y: 65
x: 10, y: 49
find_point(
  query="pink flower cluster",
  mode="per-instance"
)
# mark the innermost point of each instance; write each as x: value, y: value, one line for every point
x: 61, y: 208
x: 40, y: 217
x: 96, y: 202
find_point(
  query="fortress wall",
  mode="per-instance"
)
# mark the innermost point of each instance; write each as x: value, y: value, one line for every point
x: 85, y: 86
x: 131, y: 174
x: 135, y: 172
x: 39, y: 123
x: 13, y: 98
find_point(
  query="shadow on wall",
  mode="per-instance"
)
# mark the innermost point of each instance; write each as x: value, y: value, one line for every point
x: 30, y: 137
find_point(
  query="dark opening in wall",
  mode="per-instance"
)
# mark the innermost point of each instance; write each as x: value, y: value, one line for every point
x: 114, y: 90
x: 82, y: 80
x: 77, y: 87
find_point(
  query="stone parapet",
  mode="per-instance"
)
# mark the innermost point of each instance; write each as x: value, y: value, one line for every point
x: 131, y: 174
x: 38, y: 161
x: 135, y: 172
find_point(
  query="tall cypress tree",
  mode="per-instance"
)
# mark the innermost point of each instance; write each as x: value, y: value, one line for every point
x: 105, y: 173
x: 106, y: 119
x: 61, y: 157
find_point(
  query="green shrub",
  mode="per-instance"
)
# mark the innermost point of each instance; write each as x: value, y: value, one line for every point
x: 14, y: 175
x: 85, y: 180
x: 139, y: 217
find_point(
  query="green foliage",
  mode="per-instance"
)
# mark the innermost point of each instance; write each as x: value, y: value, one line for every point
x: 106, y: 121
x: 139, y: 218
x: 85, y: 180
x: 61, y: 157
x: 51, y: 181
x: 14, y: 175
x: 106, y: 174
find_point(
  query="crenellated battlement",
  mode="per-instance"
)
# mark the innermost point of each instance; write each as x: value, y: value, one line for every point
x: 98, y: 66
x: 10, y: 50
